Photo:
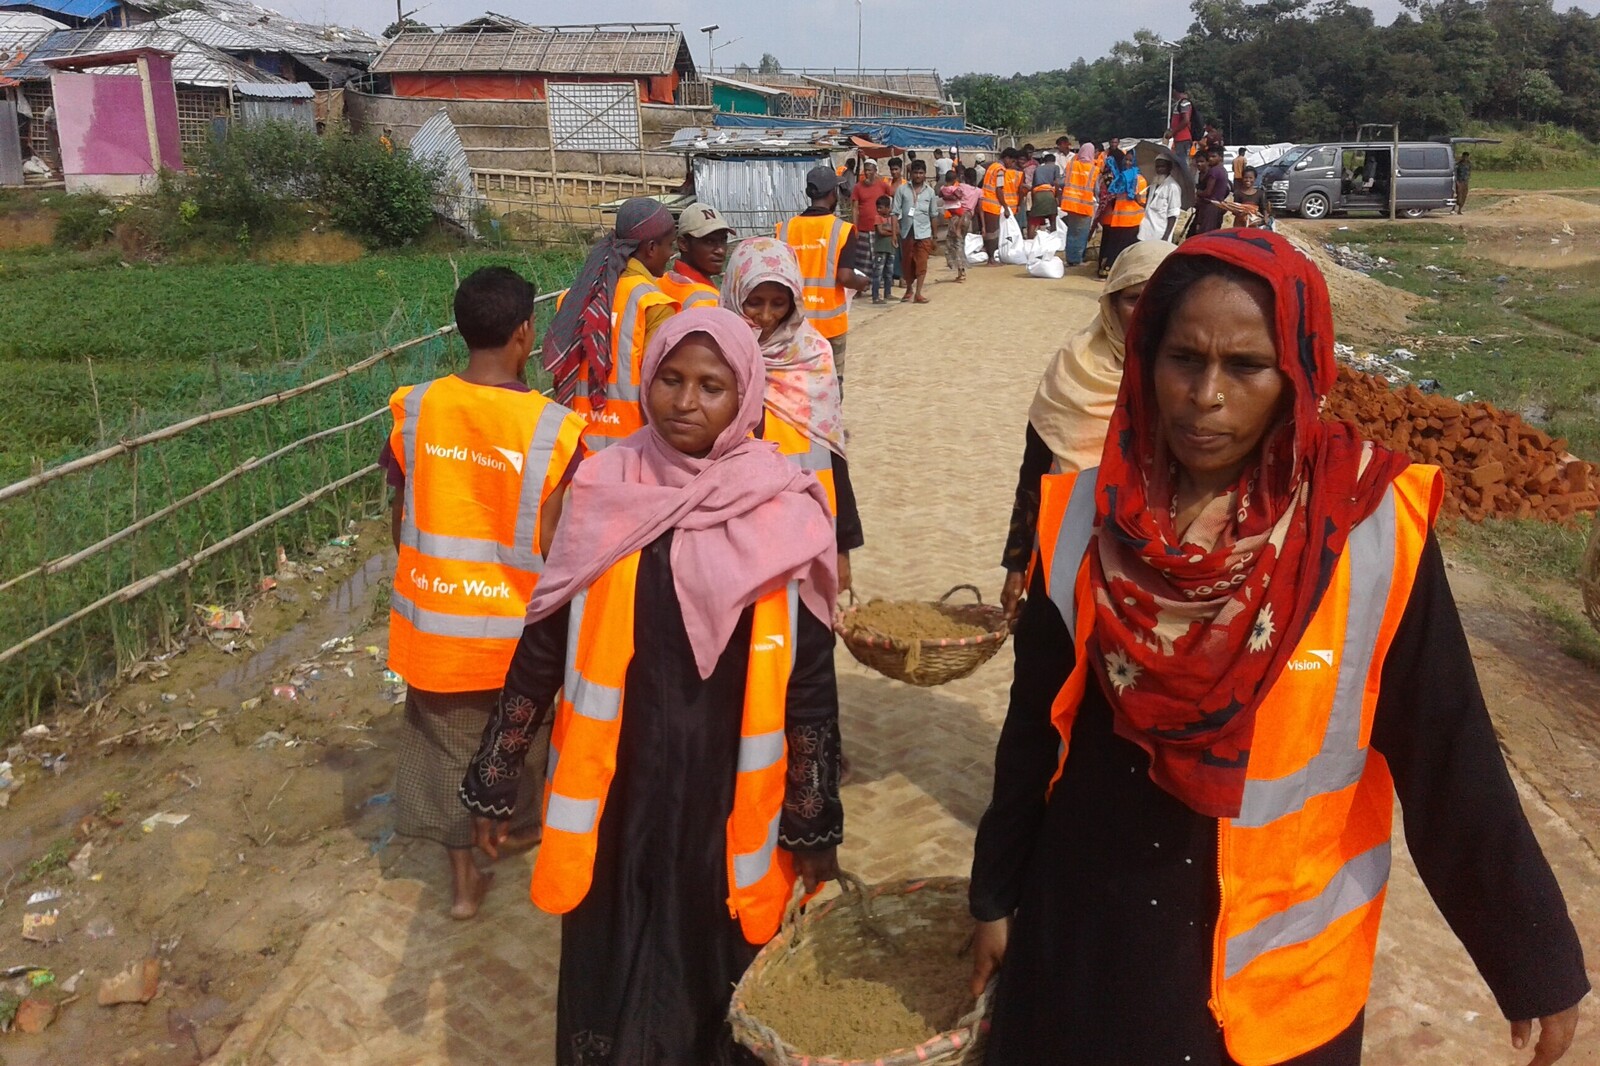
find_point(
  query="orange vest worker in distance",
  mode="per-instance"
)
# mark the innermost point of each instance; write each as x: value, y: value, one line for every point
x: 703, y: 236
x: 479, y: 463
x: 826, y: 248
x: 595, y: 346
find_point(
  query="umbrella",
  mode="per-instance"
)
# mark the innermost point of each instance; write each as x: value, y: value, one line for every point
x: 1147, y: 152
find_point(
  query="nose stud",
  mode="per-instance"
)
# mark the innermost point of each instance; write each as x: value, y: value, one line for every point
x: 1221, y: 399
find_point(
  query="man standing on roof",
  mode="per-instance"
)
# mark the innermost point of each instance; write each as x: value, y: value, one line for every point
x: 702, y: 250
x: 594, y: 348
x: 826, y: 247
x: 1180, y: 132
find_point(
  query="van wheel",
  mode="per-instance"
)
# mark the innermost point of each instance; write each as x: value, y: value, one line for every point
x: 1315, y: 206
x: 1413, y: 212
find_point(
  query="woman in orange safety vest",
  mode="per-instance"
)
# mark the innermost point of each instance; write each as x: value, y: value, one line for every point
x: 1238, y: 646
x: 805, y: 414
x: 694, y: 761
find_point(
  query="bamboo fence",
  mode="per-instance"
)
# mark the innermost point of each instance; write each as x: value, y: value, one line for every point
x: 159, y: 525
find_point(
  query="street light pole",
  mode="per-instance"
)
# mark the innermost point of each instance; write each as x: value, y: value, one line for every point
x: 711, y: 45
x: 859, y: 6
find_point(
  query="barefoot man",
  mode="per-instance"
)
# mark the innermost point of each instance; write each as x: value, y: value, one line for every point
x: 480, y: 465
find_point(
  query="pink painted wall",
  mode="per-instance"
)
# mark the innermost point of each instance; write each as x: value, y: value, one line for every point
x: 102, y: 123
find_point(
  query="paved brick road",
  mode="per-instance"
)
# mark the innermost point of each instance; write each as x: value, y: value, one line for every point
x: 937, y: 399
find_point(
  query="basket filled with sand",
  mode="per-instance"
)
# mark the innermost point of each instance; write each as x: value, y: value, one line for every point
x: 923, y: 643
x: 876, y: 976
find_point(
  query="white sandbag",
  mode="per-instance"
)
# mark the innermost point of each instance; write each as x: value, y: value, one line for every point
x: 1009, y: 230
x: 1017, y: 253
x: 1048, y: 242
x: 1048, y: 267
x: 974, y: 249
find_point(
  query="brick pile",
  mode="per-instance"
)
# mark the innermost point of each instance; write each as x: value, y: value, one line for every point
x: 1495, y: 464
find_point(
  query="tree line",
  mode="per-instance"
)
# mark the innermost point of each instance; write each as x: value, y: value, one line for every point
x: 1294, y: 70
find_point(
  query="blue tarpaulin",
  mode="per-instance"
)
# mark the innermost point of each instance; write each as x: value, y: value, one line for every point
x: 941, y: 131
x: 78, y: 9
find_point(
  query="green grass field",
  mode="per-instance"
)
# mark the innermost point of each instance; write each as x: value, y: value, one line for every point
x: 174, y: 339
x: 168, y: 342
x: 1538, y: 331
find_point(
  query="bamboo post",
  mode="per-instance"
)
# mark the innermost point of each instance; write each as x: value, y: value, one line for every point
x: 94, y: 393
x: 144, y: 584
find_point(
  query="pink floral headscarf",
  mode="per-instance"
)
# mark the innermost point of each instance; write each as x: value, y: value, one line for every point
x: 746, y: 520
x: 802, y: 385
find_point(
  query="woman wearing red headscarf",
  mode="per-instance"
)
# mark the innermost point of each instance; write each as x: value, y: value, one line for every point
x: 1239, y: 645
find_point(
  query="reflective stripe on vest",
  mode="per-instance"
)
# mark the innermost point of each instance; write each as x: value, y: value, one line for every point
x: 826, y: 304
x: 584, y: 743
x: 1078, y: 197
x: 458, y: 597
x: 686, y: 292
x: 621, y: 415
x: 1125, y: 212
x: 1304, y: 867
x: 990, y: 200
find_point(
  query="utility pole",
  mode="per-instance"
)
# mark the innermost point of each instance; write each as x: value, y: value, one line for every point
x: 711, y: 45
x: 858, y: 41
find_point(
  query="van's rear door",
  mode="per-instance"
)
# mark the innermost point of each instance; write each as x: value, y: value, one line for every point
x: 1425, y: 177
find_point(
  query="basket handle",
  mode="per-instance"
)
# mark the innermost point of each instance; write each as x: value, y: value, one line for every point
x: 849, y: 885
x: 970, y: 588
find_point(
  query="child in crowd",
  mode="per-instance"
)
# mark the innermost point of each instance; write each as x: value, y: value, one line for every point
x: 883, y: 252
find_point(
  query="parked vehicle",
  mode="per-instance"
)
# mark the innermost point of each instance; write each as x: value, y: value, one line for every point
x: 1341, y: 176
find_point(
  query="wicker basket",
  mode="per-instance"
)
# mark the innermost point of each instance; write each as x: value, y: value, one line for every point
x: 928, y: 662
x: 853, y: 924
x: 1589, y: 575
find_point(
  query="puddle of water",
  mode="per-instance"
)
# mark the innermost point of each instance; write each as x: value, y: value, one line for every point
x: 339, y: 616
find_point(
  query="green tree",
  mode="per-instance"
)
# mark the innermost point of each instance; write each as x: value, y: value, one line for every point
x: 992, y: 103
x: 1538, y: 95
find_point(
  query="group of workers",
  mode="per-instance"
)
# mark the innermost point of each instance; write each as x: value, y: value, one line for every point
x: 1234, y: 642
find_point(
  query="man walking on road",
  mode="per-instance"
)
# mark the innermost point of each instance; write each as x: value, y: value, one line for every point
x: 1463, y: 181
x: 470, y: 533
x: 827, y: 249
x: 913, y: 213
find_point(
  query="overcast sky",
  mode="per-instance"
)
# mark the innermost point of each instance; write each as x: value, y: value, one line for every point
x: 953, y: 36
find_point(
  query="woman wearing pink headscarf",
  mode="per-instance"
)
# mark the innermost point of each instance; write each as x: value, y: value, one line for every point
x: 804, y: 394
x: 707, y: 520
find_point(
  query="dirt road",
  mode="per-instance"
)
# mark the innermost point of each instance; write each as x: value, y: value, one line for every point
x: 293, y: 929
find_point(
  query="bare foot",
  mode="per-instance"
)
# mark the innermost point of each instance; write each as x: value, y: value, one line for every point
x: 922, y: 300
x: 469, y: 896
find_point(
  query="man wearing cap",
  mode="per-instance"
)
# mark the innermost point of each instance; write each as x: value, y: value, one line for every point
x: 702, y: 250
x: 827, y: 249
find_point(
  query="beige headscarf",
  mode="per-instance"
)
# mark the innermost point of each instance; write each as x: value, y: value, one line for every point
x: 1072, y: 409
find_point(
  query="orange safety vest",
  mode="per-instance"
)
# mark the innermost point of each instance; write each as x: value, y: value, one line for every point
x: 686, y: 292
x: 1011, y: 192
x: 1304, y: 867
x: 622, y: 413
x: 990, y: 201
x: 807, y: 454
x: 1125, y: 212
x: 588, y: 726
x: 816, y: 240
x: 480, y: 462
x: 1078, y: 196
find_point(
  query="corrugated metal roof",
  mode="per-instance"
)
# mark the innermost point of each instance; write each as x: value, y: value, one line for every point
x: 642, y: 51
x: 20, y: 31
x: 267, y: 90
x: 226, y: 31
x: 458, y: 197
x: 923, y: 84
x: 755, y: 139
x: 747, y: 86
x: 193, y: 62
x: 78, y: 9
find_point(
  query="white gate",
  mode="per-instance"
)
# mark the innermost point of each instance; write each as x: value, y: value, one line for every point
x: 593, y: 116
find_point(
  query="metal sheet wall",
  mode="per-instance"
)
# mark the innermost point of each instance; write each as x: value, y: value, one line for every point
x: 300, y: 112
x: 754, y: 193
